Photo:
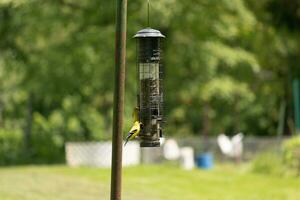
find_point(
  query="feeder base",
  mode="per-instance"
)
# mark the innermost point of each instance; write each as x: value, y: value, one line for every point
x: 150, y: 144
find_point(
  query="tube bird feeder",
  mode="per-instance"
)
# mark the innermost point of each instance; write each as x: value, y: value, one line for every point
x: 150, y: 85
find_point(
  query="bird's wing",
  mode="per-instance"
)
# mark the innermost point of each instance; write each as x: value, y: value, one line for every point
x: 136, y: 125
x: 134, y: 131
x: 130, y: 134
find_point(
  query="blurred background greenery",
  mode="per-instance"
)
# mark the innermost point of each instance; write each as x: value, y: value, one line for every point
x: 229, y: 68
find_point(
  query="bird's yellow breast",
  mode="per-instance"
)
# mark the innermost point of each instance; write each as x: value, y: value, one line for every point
x: 136, y: 128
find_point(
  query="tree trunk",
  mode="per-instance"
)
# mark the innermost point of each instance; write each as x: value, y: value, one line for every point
x: 206, y: 125
x: 28, y: 125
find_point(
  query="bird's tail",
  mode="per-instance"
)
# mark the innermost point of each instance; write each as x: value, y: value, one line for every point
x: 125, y: 142
x: 127, y: 139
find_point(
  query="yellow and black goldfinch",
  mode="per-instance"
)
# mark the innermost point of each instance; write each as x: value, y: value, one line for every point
x: 134, y: 131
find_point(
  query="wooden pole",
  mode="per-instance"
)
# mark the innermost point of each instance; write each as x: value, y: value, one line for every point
x: 118, y: 109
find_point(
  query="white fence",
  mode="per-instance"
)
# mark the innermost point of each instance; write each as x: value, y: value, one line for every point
x: 251, y: 145
x: 98, y: 154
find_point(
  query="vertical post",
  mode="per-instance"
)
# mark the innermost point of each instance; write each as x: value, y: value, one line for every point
x: 296, y: 91
x: 118, y: 109
x: 281, y: 119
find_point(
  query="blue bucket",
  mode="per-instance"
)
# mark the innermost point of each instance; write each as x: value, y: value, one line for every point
x: 205, y: 161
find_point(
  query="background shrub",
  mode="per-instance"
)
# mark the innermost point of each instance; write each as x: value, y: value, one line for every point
x: 10, y: 147
x: 268, y: 163
x: 291, y: 154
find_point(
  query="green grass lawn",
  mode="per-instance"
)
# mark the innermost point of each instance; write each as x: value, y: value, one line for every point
x: 144, y: 183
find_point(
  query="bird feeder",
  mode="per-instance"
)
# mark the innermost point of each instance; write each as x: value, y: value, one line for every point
x: 150, y: 86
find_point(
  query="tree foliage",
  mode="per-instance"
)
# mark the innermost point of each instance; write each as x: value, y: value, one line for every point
x: 229, y: 65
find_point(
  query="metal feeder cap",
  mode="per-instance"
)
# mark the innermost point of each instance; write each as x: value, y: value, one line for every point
x: 148, y: 32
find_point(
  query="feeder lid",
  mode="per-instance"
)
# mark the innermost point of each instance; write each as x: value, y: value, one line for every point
x: 148, y: 32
